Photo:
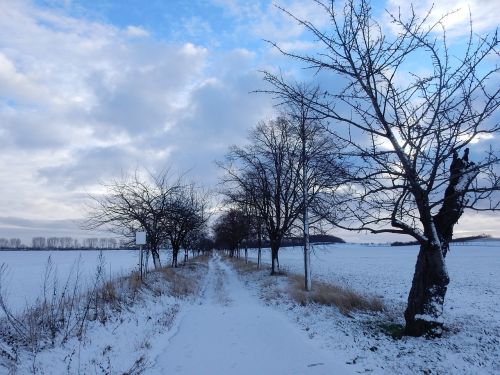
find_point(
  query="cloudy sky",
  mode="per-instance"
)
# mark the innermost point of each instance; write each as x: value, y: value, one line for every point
x: 92, y: 89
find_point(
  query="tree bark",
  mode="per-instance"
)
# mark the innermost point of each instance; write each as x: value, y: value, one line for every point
x: 424, y: 312
x: 175, y: 253
x: 156, y: 258
x: 275, y: 246
x: 259, y: 244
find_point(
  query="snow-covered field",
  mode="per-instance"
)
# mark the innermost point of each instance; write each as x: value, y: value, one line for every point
x: 472, y: 307
x: 26, y: 269
x: 387, y: 272
x: 223, y: 329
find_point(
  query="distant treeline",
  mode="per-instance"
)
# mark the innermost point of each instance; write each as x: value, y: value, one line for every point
x: 298, y: 241
x: 63, y: 243
x: 461, y: 239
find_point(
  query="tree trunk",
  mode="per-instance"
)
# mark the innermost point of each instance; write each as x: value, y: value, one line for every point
x: 260, y: 247
x: 186, y: 256
x: 307, y: 253
x: 246, y: 255
x: 274, y: 256
x: 307, y: 248
x: 175, y: 253
x: 424, y: 312
x: 156, y: 258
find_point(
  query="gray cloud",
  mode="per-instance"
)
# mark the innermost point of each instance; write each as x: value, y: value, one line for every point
x: 90, y: 166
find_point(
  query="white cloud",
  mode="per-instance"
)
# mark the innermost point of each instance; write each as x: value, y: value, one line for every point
x: 136, y: 31
x: 484, y: 14
x: 82, y: 101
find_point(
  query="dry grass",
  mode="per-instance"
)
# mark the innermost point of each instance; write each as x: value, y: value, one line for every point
x: 134, y: 282
x: 108, y: 293
x: 179, y: 284
x: 346, y: 300
x: 65, y: 309
x: 240, y: 265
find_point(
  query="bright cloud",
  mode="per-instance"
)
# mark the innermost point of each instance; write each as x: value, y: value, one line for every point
x: 484, y: 13
x: 86, y: 96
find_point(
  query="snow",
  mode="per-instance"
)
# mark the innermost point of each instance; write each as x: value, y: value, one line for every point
x: 126, y: 343
x: 248, y: 324
x: 230, y: 332
x: 26, y: 269
x: 471, y: 310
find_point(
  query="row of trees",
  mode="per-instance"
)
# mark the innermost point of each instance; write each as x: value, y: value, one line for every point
x: 385, y: 150
x: 67, y: 243
x: 10, y: 243
x: 172, y: 212
x: 62, y: 243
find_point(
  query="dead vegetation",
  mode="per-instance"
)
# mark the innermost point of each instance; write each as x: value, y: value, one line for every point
x: 64, y: 310
x: 346, y: 300
x: 241, y: 265
x: 180, y: 284
x: 327, y: 294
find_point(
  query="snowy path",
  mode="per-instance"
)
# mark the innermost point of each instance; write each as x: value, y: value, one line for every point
x: 230, y: 332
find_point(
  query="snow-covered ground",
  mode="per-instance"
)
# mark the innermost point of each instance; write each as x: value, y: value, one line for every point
x: 387, y: 271
x: 249, y: 324
x: 472, y: 307
x: 127, y: 342
x: 230, y: 332
x: 26, y: 269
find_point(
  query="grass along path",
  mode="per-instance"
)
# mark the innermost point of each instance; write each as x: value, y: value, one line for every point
x: 231, y: 332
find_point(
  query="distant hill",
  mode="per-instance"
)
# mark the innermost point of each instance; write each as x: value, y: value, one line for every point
x: 460, y: 239
x: 314, y: 239
x: 299, y: 241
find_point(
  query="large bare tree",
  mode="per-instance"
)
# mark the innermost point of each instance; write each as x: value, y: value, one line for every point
x: 411, y: 135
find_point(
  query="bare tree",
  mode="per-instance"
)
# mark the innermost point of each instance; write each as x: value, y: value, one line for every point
x: 320, y: 156
x: 266, y: 176
x: 38, y: 243
x: 409, y: 134
x: 136, y: 203
x: 187, y: 213
x: 231, y: 228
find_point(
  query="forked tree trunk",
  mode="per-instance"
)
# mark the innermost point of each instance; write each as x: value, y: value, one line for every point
x: 156, y: 258
x: 424, y: 313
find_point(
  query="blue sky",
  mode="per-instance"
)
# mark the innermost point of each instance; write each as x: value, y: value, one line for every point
x: 92, y: 89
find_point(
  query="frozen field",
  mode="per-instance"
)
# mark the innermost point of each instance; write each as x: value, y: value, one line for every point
x: 26, y: 269
x: 170, y: 332
x: 472, y: 308
x: 387, y: 272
